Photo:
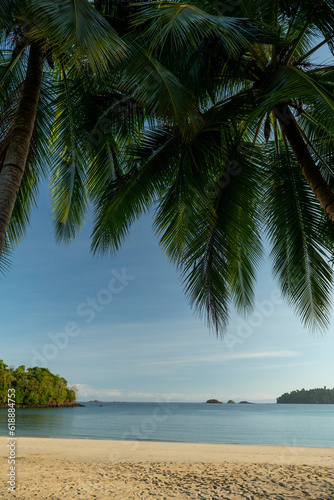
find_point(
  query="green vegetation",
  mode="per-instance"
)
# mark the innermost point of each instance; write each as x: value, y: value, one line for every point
x: 322, y: 396
x: 219, y: 117
x: 34, y: 386
x: 262, y: 131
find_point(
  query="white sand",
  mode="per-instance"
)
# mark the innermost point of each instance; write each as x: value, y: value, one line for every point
x: 76, y: 468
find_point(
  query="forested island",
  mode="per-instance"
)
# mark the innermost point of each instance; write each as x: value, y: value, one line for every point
x: 312, y: 396
x: 34, y: 387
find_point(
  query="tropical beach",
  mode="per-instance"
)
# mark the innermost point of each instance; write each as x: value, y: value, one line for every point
x: 167, y: 249
x: 72, y: 468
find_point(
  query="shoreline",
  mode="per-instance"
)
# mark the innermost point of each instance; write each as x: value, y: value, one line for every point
x: 131, y: 442
x: 128, y: 450
x: 67, y: 468
x: 43, y: 405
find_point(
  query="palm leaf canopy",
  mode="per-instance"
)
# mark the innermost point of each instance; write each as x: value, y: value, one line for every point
x: 185, y: 25
x: 210, y: 227
x: 74, y: 28
x: 79, y: 44
x: 189, y: 123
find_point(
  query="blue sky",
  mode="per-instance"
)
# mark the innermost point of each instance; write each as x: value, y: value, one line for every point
x: 138, y: 340
x: 120, y: 328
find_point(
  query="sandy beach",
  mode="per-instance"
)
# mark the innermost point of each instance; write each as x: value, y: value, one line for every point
x: 76, y: 468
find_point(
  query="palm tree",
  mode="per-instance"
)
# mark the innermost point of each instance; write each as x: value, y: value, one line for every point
x: 70, y: 44
x: 52, y: 58
x: 147, y: 120
x: 42, y: 45
x: 223, y: 129
x: 143, y: 91
x: 259, y: 160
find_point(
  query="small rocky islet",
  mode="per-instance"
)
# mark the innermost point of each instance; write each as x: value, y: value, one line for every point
x: 230, y: 401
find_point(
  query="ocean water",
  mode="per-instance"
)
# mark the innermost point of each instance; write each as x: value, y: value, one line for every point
x: 262, y: 424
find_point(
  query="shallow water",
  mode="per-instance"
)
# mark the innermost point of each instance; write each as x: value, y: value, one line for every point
x: 262, y: 424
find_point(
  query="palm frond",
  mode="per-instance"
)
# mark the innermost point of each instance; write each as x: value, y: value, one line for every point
x: 77, y: 33
x: 293, y: 219
x: 7, y: 13
x: 159, y: 91
x: 5, y: 258
x: 208, y: 221
x: 220, y: 262
x: 131, y: 194
x: 319, y: 13
x: 68, y: 163
x: 186, y: 25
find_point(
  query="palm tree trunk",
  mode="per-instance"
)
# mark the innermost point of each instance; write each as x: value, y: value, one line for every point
x: 317, y: 183
x: 17, y: 153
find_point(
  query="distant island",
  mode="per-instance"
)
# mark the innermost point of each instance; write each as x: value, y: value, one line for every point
x: 94, y: 401
x: 35, y: 387
x: 230, y: 401
x: 321, y: 396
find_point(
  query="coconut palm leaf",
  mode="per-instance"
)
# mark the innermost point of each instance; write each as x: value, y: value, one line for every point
x: 300, y: 257
x: 5, y: 259
x: 292, y: 83
x: 182, y: 117
x: 149, y: 166
x: 185, y: 198
x: 68, y: 162
x: 158, y: 91
x: 77, y: 32
x: 7, y: 13
x: 12, y: 68
x: 320, y: 13
x: 222, y: 253
x: 187, y: 25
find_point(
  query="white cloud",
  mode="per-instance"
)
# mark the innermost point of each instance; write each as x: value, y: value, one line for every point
x: 285, y: 365
x: 168, y: 396
x: 85, y: 391
x: 219, y: 358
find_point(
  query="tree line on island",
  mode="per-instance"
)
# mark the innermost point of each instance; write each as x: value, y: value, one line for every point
x: 302, y: 396
x: 311, y: 396
x: 34, y: 386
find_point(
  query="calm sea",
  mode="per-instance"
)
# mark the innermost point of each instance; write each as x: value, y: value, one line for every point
x: 263, y: 424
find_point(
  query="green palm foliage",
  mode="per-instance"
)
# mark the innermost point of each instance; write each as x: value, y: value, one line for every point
x: 76, y: 41
x: 101, y: 123
x: 253, y: 166
x: 216, y: 118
